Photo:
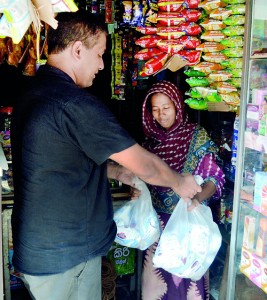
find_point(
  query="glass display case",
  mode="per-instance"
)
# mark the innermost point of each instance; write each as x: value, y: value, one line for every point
x: 247, y: 273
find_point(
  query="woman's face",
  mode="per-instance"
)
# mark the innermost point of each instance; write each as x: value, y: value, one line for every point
x: 163, y: 110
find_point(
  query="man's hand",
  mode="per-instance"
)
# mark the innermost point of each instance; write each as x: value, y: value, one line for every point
x: 187, y: 187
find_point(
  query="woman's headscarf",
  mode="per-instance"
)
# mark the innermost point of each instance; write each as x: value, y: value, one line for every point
x: 171, y: 145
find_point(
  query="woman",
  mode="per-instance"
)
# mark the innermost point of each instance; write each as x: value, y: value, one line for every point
x: 186, y: 147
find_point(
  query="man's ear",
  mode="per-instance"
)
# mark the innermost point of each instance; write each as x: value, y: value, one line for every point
x: 76, y: 49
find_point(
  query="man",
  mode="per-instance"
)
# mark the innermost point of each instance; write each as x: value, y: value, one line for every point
x: 62, y: 137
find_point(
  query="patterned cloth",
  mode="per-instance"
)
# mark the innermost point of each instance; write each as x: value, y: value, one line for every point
x: 186, y: 148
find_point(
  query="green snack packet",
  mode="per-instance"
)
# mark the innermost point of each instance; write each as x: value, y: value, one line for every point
x: 233, y: 41
x: 214, y: 97
x: 237, y: 9
x: 235, y: 72
x: 234, y: 1
x: 236, y: 82
x: 194, y: 73
x: 234, y: 20
x: 198, y: 104
x: 233, y: 52
x: 233, y: 30
x: 123, y: 259
x: 233, y: 63
x: 197, y: 81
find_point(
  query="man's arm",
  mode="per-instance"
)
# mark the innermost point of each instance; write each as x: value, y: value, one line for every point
x: 151, y: 169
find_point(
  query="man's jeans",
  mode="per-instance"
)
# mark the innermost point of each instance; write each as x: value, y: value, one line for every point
x: 82, y: 282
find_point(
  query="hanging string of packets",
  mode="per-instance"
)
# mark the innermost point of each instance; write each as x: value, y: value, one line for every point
x: 17, y: 16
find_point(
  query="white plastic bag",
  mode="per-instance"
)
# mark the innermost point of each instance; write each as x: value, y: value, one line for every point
x: 137, y: 222
x: 189, y: 242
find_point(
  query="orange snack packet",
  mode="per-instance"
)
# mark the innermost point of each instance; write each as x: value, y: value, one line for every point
x: 210, y: 47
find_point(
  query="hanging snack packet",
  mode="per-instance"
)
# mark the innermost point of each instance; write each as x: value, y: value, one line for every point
x: 220, y: 13
x: 210, y: 47
x: 17, y: 16
x: 234, y: 20
x: 197, y: 81
x: 211, y: 24
x: 150, y: 18
x: 154, y: 64
x: 219, y: 76
x: 209, y: 5
x: 235, y: 72
x: 233, y: 63
x: 189, y: 42
x: 177, y: 5
x: 170, y: 46
x: 169, y: 19
x: 237, y: 9
x: 198, y: 104
x: 225, y: 87
x: 236, y: 82
x: 233, y: 52
x: 136, y: 13
x: 234, y: 1
x: 190, y: 72
x: 147, y: 53
x: 213, y: 35
x: 208, y: 67
x: 216, y: 57
x: 200, y: 92
x: 191, y: 56
x: 233, y: 41
x: 148, y: 30
x: 232, y: 98
x: 63, y: 5
x: 170, y: 33
x: 233, y: 30
x: 148, y: 41
x: 190, y: 28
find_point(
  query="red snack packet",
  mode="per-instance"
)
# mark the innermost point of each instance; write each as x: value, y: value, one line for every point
x: 170, y: 46
x: 191, y: 56
x: 147, y: 53
x: 148, y: 41
x: 147, y: 29
x: 189, y: 42
x: 154, y: 64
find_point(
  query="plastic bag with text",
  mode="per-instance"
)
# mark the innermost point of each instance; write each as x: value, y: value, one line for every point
x: 137, y: 222
x: 189, y: 242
